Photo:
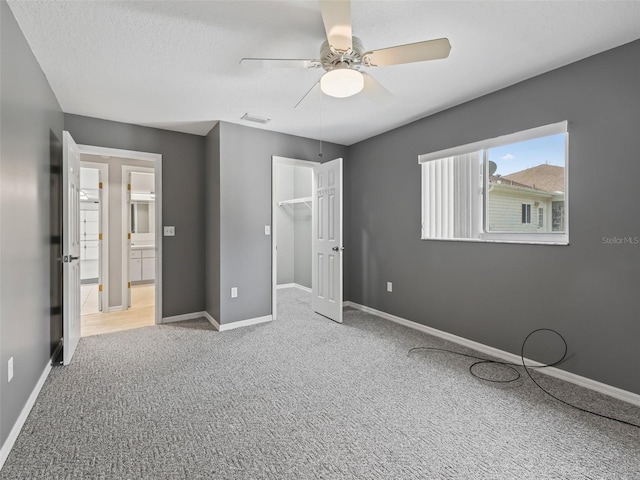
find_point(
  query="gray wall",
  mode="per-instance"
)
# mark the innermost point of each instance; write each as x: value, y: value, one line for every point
x: 245, y: 208
x: 29, y: 112
x: 183, y: 201
x: 302, y: 186
x: 497, y: 293
x: 212, y: 222
x: 285, y: 221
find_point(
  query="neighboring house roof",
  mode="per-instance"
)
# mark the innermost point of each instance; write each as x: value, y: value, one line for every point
x: 549, y: 178
x: 499, y: 180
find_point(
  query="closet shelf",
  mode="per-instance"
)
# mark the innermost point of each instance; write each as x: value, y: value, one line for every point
x: 294, y: 201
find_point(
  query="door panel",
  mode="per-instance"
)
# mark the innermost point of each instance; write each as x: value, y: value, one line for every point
x: 327, y: 240
x: 71, y: 246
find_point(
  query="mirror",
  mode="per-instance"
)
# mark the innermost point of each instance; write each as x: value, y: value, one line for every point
x: 142, y: 217
x: 142, y: 206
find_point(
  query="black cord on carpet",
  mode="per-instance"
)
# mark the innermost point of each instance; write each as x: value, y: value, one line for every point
x: 527, y: 368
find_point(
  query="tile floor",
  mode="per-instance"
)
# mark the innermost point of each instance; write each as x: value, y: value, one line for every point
x: 141, y: 313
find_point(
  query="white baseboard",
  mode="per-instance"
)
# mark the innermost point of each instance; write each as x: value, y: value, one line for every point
x: 212, y: 321
x: 609, y: 390
x: 117, y: 308
x: 185, y: 316
x: 293, y: 285
x: 245, y: 323
x: 17, y: 427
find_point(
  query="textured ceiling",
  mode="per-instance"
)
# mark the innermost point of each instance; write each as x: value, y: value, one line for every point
x: 175, y: 64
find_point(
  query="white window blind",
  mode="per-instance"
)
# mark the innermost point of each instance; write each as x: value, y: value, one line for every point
x: 452, y: 189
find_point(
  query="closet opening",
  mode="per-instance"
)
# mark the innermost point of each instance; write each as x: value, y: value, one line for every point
x: 292, y: 185
x: 307, y: 237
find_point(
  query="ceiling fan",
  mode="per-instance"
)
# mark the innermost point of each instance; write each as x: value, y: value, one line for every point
x: 342, y: 56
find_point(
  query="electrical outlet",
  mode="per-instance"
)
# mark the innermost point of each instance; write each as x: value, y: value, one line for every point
x: 267, y: 229
x: 169, y: 231
x: 389, y: 287
x: 234, y: 292
x: 10, y: 369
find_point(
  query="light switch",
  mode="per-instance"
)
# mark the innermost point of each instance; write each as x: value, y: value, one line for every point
x: 169, y: 231
x: 267, y: 229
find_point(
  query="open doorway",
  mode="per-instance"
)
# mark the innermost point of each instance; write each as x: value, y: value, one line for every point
x: 126, y: 293
x: 307, y: 249
x: 94, y: 215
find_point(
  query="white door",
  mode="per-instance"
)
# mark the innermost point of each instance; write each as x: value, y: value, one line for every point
x: 71, y: 246
x: 327, y: 246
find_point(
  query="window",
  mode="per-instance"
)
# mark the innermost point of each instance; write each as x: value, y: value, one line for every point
x: 526, y: 213
x: 498, y: 189
x: 541, y: 218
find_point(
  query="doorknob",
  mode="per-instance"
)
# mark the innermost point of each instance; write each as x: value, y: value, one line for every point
x: 69, y: 258
x: 336, y: 249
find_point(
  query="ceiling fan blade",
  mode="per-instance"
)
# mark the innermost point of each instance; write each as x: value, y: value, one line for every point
x: 336, y: 15
x: 412, y: 52
x: 375, y: 91
x: 280, y: 63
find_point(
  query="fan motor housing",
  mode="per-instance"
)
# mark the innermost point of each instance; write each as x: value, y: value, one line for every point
x: 330, y: 57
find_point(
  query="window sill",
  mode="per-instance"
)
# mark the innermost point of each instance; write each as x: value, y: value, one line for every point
x: 562, y: 240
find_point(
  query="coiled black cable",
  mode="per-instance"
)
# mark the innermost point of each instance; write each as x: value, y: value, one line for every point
x: 527, y: 369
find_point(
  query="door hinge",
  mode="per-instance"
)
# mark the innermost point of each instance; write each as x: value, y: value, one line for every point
x: 99, y: 184
x: 99, y: 236
x: 129, y: 285
x: 99, y: 288
x: 128, y: 186
x: 128, y: 236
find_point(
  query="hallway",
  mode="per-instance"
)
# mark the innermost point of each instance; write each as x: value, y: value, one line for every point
x: 141, y: 313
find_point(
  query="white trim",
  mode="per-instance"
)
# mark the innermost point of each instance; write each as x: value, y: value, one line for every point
x: 560, y: 240
x: 17, y: 427
x: 522, y: 136
x: 302, y: 287
x: 609, y: 390
x: 184, y: 316
x: 117, y: 308
x: 245, y: 323
x: 293, y: 285
x: 156, y: 158
x: 120, y: 153
x: 212, y: 320
x: 294, y: 162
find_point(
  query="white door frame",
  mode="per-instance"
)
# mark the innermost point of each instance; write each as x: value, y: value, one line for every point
x: 104, y: 224
x: 156, y: 160
x: 275, y: 160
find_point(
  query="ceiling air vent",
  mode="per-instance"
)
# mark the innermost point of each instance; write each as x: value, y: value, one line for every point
x: 254, y: 118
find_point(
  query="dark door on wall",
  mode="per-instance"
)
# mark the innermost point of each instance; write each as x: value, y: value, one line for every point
x: 55, y: 246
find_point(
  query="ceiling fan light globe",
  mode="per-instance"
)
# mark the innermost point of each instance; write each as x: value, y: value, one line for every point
x: 342, y: 82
